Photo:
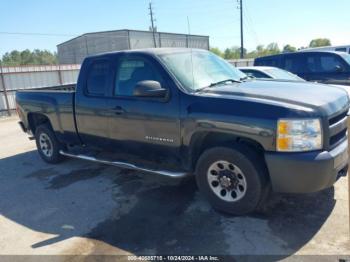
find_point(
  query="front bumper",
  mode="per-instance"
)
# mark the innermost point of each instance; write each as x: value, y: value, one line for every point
x: 307, y: 172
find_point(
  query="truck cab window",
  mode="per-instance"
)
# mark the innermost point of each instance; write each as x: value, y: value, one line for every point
x: 330, y: 63
x: 323, y: 63
x: 293, y: 64
x: 341, y: 49
x: 98, y: 78
x: 267, y: 62
x: 255, y: 74
x: 312, y: 64
x: 132, y: 71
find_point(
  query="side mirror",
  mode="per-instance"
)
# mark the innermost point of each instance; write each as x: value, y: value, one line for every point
x: 339, y: 68
x: 149, y: 88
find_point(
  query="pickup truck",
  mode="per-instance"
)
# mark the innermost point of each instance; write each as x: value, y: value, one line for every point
x: 326, y: 67
x: 178, y: 112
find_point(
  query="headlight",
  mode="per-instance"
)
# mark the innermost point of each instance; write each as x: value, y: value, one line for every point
x: 299, y: 135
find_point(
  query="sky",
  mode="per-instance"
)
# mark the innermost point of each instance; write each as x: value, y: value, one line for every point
x: 43, y: 24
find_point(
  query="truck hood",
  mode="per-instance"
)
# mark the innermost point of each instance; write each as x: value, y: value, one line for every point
x: 346, y: 88
x: 328, y: 99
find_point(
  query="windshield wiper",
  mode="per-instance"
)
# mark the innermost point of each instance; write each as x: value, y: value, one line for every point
x: 224, y: 81
x: 218, y: 83
x: 245, y: 78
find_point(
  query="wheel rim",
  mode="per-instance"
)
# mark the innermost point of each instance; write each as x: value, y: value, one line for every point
x: 227, y: 181
x: 45, y: 145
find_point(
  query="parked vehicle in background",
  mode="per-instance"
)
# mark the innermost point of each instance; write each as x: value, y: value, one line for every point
x: 324, y: 67
x: 269, y: 72
x: 339, y: 48
x: 274, y: 73
x: 182, y: 111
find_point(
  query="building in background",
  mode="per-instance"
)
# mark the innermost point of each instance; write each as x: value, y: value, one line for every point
x: 75, y: 50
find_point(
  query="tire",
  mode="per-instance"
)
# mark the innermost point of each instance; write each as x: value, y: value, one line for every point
x: 234, y: 180
x: 47, y: 144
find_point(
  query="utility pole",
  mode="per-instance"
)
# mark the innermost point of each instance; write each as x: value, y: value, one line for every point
x: 152, y: 23
x: 241, y: 13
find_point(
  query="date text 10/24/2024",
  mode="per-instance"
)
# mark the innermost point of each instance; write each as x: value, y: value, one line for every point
x: 173, y: 258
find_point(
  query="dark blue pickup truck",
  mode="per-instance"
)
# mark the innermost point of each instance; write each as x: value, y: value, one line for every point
x: 326, y: 67
x: 176, y: 112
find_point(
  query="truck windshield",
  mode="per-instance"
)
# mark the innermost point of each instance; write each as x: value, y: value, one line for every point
x: 199, y: 68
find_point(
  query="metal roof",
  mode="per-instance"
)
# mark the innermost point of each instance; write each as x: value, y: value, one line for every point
x: 155, y: 51
x: 127, y: 30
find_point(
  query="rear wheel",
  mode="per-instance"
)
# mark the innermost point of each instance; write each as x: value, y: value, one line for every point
x: 47, y: 144
x: 234, y: 180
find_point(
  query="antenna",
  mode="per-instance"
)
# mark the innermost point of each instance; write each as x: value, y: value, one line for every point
x: 189, y: 33
x: 188, y: 26
x: 152, y: 23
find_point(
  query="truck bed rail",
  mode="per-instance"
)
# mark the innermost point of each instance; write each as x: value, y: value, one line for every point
x: 63, y: 88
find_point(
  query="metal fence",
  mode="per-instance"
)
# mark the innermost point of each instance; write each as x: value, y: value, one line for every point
x: 29, y: 77
x: 242, y: 62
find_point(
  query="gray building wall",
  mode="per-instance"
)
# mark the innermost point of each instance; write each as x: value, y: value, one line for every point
x: 76, y: 49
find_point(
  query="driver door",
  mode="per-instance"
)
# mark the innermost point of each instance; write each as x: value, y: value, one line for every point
x: 147, y: 127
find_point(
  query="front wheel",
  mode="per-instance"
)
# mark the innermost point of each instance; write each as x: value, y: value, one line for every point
x: 47, y: 144
x: 234, y: 180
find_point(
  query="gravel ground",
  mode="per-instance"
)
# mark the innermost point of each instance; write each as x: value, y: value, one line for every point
x: 79, y: 208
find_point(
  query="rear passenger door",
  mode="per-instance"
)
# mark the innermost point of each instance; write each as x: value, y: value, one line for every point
x: 146, y: 127
x: 91, y: 109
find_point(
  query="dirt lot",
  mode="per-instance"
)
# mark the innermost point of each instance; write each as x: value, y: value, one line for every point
x: 82, y: 208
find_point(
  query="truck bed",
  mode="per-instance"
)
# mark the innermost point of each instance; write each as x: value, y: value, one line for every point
x: 56, y: 103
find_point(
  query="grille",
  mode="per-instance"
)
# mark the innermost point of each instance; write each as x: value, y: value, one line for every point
x: 337, y: 129
x: 337, y: 118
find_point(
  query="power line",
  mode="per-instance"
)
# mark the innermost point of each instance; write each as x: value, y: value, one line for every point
x: 35, y: 34
x: 251, y: 24
x: 249, y: 30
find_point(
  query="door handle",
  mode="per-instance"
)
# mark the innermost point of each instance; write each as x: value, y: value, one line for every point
x: 118, y: 110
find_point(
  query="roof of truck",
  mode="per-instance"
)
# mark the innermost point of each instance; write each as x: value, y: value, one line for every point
x: 300, y: 52
x: 154, y: 51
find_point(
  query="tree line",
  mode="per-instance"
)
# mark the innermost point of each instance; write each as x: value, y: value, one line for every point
x: 27, y: 57
x: 270, y: 49
x: 45, y: 57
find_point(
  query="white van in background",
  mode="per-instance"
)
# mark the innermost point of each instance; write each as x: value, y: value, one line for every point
x: 339, y: 48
